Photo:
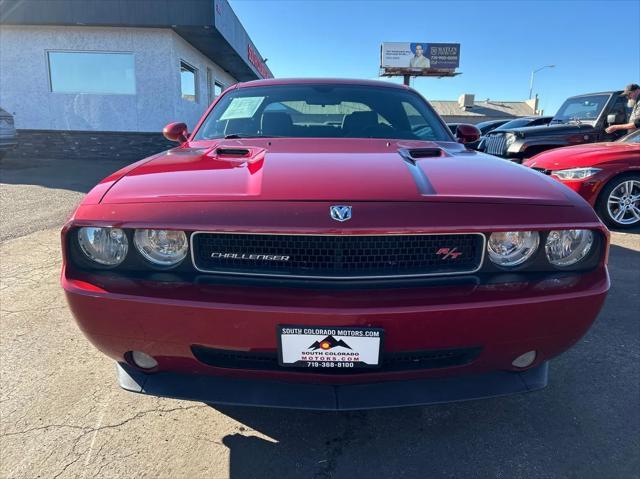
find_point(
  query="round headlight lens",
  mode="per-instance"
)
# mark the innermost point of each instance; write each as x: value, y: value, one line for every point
x: 511, y: 248
x: 510, y: 139
x: 105, y: 246
x: 567, y: 247
x: 161, y: 247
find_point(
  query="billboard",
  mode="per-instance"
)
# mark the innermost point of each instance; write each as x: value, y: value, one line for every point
x: 420, y: 56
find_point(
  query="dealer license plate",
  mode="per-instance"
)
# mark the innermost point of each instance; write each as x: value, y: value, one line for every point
x: 329, y: 347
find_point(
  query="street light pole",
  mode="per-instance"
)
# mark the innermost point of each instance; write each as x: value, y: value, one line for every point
x: 533, y: 73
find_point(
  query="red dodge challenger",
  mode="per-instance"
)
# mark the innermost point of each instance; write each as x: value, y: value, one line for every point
x: 607, y: 175
x: 329, y: 244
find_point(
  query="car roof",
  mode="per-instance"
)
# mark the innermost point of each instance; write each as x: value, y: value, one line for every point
x: 615, y: 92
x: 498, y: 121
x: 628, y: 136
x: 531, y: 118
x: 322, y: 81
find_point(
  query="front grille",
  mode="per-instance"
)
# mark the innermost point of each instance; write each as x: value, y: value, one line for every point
x: 496, y: 144
x: 390, y: 362
x: 336, y: 257
x: 542, y: 170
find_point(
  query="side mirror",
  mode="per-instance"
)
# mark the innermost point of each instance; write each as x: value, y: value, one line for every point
x: 467, y: 134
x: 176, y: 132
x: 614, y: 119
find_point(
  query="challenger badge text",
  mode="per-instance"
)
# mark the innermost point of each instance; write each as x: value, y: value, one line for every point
x: 259, y: 257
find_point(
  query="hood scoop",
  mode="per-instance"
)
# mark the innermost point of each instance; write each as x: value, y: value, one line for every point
x: 236, y: 155
x: 240, y: 152
x: 413, y: 154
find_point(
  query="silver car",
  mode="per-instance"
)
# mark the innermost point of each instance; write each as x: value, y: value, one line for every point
x: 8, y: 136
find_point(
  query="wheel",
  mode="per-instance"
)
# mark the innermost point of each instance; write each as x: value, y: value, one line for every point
x: 619, y: 202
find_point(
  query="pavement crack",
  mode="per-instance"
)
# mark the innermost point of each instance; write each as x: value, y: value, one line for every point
x: 87, y: 430
x: 41, y: 428
x: 66, y: 466
x: 144, y: 413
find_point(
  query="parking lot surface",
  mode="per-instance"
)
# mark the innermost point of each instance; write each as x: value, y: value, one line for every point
x: 63, y: 415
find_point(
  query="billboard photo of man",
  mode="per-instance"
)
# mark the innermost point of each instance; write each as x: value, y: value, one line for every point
x: 418, y: 60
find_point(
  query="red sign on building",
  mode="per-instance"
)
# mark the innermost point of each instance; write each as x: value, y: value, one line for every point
x: 257, y: 62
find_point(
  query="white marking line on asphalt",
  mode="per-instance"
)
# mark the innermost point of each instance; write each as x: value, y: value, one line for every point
x: 105, y: 403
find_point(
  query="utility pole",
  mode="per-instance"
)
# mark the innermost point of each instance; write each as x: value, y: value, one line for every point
x: 533, y: 73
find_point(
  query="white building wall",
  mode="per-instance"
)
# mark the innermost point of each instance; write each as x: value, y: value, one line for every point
x: 25, y: 89
x: 185, y: 110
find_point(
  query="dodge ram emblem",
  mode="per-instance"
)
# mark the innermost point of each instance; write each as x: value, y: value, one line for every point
x: 340, y: 212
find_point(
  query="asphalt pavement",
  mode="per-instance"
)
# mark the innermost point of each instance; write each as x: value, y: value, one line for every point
x: 63, y: 415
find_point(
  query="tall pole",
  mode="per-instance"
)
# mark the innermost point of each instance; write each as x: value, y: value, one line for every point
x: 531, y: 85
x: 407, y: 79
x: 533, y: 73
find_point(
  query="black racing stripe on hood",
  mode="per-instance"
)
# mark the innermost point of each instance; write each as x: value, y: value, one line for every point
x: 420, y: 179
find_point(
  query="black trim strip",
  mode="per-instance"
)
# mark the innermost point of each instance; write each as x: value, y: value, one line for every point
x: 396, y: 361
x: 328, y: 397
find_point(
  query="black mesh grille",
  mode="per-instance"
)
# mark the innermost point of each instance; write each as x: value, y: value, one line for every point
x: 347, y: 256
x: 399, y: 361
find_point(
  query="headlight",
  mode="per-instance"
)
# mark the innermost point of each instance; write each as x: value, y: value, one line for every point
x: 567, y: 247
x: 106, y: 246
x: 161, y: 247
x: 512, y: 248
x: 510, y: 139
x: 575, y: 173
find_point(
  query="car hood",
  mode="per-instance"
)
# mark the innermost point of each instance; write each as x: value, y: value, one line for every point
x: 330, y: 170
x: 586, y: 155
x: 545, y: 130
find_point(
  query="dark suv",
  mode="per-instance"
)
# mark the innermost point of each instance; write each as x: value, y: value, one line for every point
x: 580, y: 119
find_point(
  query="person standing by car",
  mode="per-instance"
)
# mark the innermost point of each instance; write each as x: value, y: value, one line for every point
x: 632, y: 92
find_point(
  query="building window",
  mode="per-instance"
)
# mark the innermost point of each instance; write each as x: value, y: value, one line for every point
x: 217, y: 89
x: 214, y: 88
x: 188, y: 81
x: 92, y: 72
x: 210, y: 95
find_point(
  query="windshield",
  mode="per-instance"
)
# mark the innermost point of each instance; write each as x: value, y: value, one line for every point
x: 633, y: 137
x: 519, y: 123
x: 584, y: 108
x: 487, y: 126
x: 323, y: 111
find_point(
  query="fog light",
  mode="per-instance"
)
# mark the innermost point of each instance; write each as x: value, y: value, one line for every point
x: 524, y: 360
x: 143, y: 360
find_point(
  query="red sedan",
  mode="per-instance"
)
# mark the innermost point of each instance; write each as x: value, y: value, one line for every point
x: 607, y: 175
x: 329, y: 244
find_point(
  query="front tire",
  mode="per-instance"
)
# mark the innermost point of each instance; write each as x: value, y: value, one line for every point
x: 619, y: 202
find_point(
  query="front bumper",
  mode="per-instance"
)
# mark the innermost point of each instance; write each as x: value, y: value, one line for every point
x: 242, y: 392
x: 503, y: 320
